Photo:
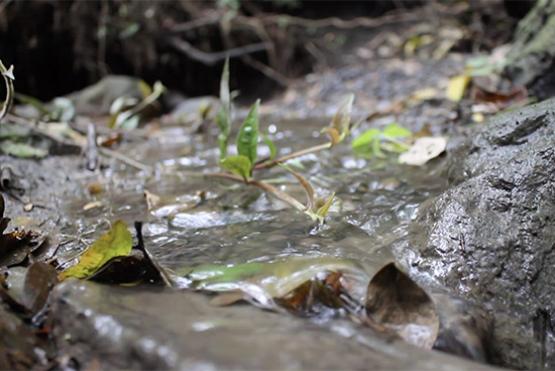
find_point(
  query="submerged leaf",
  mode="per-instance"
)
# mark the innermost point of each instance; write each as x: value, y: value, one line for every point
x: 239, y: 165
x: 247, y: 138
x: 397, y: 303
x: 116, y: 242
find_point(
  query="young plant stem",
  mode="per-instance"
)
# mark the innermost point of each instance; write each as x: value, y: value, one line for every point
x: 271, y: 163
x: 263, y: 186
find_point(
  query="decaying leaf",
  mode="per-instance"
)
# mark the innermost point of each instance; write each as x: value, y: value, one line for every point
x: 341, y: 122
x: 16, y: 246
x: 116, y: 242
x: 423, y: 150
x: 457, y: 87
x: 397, y: 303
x: 39, y: 280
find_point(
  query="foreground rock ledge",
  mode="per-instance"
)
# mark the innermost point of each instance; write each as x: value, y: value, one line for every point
x: 491, y: 235
x: 146, y: 328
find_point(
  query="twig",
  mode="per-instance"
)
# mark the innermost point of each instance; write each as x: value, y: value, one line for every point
x: 306, y: 151
x: 264, y: 186
x: 81, y: 144
x: 196, y: 23
x: 127, y: 160
x: 212, y: 58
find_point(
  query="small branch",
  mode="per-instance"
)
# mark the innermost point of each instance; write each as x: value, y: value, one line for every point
x: 212, y: 58
x: 196, y: 23
x: 126, y: 160
x: 263, y: 186
x: 303, y: 152
x: 80, y: 142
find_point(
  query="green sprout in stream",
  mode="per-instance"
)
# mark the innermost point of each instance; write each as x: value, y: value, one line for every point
x: 244, y: 166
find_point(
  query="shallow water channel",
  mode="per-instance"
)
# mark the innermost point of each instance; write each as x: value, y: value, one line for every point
x: 198, y: 220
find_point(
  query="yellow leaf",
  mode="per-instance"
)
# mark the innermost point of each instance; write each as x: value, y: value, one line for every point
x: 457, y: 87
x: 116, y: 242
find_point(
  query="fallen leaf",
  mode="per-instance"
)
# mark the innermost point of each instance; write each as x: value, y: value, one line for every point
x: 116, y: 242
x: 457, y: 87
x: 39, y: 281
x: 397, y: 303
x: 423, y: 150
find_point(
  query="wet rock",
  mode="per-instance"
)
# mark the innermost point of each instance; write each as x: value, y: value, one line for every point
x: 19, y: 348
x: 491, y: 236
x: 145, y: 328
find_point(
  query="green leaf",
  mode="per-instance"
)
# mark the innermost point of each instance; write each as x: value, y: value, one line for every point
x: 271, y: 146
x: 247, y: 139
x: 362, y: 143
x: 396, y: 131
x: 22, y: 150
x: 239, y: 165
x: 116, y: 242
x: 373, y: 142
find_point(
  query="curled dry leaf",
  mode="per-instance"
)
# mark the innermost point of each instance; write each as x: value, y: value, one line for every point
x: 423, y: 150
x: 397, y: 303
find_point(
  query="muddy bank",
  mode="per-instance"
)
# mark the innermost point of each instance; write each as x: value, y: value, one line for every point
x: 491, y: 236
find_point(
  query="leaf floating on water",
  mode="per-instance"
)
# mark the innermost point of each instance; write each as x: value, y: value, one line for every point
x: 116, y: 242
x: 423, y: 150
x: 239, y: 165
x: 264, y: 282
x: 397, y: 303
x: 457, y: 87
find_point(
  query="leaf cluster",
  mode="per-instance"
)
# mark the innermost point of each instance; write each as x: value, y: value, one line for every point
x: 245, y: 162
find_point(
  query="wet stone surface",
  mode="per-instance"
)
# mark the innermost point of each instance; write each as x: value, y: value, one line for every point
x: 491, y: 235
x: 133, y: 328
